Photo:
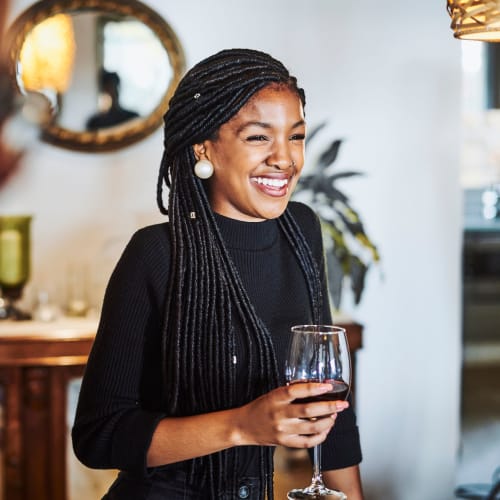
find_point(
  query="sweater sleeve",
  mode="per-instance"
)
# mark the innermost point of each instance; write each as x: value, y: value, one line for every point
x: 115, y: 420
x: 342, y: 447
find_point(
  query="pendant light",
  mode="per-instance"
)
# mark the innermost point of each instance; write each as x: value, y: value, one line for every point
x: 475, y: 19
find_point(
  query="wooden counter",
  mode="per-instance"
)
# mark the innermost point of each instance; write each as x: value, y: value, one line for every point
x: 37, y: 360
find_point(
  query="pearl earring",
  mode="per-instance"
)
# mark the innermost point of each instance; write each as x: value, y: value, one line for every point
x: 203, y: 169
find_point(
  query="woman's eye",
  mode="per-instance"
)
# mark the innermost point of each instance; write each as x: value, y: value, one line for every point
x: 298, y: 137
x: 257, y: 138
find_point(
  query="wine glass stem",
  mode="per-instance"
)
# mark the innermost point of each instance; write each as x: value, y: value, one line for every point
x: 317, y: 478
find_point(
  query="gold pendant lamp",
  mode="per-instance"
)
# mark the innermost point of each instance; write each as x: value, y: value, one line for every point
x: 475, y: 19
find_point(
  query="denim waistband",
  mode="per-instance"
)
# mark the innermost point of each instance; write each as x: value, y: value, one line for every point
x: 243, y: 487
x: 180, y: 485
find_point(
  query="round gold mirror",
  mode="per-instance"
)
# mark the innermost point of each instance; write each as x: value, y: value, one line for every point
x: 107, y: 67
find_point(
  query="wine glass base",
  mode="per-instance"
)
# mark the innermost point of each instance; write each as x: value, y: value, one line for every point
x: 316, y: 493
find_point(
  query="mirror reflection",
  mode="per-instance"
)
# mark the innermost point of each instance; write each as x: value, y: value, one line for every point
x: 107, y: 72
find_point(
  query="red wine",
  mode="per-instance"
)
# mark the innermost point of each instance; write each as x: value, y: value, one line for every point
x: 339, y: 392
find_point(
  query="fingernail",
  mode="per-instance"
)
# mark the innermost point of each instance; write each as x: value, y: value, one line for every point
x: 342, y: 405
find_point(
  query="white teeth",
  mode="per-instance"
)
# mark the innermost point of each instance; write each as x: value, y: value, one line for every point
x: 279, y: 183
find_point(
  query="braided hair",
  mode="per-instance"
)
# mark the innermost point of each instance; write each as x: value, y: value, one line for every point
x: 206, y: 302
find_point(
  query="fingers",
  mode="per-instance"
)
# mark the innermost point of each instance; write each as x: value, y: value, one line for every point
x: 317, y: 410
x: 314, y: 426
x: 310, y: 400
x: 309, y: 433
x: 301, y: 390
x: 307, y: 441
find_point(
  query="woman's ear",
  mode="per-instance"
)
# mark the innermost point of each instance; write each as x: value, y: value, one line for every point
x: 199, y: 151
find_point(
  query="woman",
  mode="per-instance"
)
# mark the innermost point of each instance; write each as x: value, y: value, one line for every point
x: 184, y: 389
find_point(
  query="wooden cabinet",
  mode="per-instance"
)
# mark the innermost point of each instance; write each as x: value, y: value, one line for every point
x: 37, y: 360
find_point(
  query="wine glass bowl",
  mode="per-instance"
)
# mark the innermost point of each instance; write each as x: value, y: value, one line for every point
x: 319, y: 353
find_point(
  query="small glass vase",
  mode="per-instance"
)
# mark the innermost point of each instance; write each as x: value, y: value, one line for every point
x: 15, y: 263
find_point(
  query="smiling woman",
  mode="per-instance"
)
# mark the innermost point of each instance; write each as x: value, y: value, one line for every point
x: 62, y: 49
x: 184, y: 390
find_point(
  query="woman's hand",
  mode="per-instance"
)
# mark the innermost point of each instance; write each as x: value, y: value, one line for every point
x: 273, y: 419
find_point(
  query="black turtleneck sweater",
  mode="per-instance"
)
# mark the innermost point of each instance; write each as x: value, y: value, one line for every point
x: 119, y: 409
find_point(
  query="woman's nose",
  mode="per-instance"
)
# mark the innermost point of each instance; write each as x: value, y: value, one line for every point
x: 280, y: 157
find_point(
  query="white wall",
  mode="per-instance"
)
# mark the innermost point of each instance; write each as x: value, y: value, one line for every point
x: 386, y: 75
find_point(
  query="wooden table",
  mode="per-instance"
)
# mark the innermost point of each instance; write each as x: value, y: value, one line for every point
x: 37, y: 360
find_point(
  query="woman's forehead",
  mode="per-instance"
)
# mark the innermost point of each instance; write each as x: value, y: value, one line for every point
x: 268, y: 100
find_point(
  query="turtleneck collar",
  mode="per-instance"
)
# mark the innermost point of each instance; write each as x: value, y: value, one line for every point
x: 245, y: 235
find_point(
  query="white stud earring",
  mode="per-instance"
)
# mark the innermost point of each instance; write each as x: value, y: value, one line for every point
x: 203, y: 169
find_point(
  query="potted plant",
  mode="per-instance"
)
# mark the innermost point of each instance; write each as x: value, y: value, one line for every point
x: 349, y: 250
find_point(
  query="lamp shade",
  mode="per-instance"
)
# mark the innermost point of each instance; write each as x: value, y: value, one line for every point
x: 47, y: 55
x: 475, y: 19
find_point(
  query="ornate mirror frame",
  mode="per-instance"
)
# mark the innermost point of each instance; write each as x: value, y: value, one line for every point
x: 114, y: 137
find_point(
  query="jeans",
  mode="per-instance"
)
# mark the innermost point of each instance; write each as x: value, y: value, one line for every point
x: 177, y: 487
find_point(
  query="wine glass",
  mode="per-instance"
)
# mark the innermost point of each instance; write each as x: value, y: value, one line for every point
x: 319, y: 353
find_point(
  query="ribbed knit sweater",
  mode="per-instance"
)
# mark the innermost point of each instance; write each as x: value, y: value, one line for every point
x: 119, y: 404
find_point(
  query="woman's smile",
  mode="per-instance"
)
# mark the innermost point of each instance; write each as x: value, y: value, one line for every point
x: 272, y: 185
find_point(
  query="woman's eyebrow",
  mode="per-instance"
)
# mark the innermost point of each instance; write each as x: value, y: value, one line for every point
x: 265, y: 125
x: 243, y: 126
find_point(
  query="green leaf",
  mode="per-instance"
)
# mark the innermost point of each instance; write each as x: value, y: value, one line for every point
x: 330, y: 154
x: 357, y: 275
